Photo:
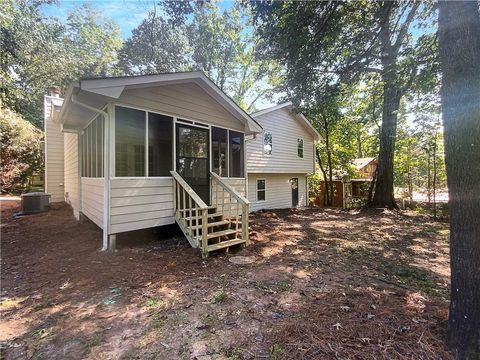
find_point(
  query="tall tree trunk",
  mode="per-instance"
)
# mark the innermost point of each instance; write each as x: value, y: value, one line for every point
x: 459, y: 42
x: 322, y: 169
x: 383, y: 196
x: 329, y: 160
x: 359, y: 145
x: 434, y: 180
x: 429, y: 182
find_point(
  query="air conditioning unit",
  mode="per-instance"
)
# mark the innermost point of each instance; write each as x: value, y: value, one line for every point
x: 35, y: 202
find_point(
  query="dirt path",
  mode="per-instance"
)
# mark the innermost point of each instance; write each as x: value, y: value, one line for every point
x: 325, y: 285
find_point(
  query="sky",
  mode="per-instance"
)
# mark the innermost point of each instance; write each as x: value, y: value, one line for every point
x: 128, y: 14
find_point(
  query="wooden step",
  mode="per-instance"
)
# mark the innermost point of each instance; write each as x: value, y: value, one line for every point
x: 216, y: 234
x: 210, y: 215
x: 211, y: 224
x: 224, y: 244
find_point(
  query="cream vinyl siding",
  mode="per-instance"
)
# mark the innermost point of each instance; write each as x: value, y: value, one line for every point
x: 285, y: 130
x: 54, y: 181
x: 140, y: 203
x: 92, y: 199
x: 278, y: 194
x: 71, y: 170
x: 185, y: 101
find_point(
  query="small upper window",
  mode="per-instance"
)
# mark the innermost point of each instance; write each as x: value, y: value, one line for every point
x: 267, y: 143
x: 300, y: 147
x: 261, y: 190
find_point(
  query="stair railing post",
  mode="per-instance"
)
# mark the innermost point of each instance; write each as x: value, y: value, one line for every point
x: 245, y: 231
x: 205, y: 232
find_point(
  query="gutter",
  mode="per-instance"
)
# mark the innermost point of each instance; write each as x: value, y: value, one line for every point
x: 106, y: 168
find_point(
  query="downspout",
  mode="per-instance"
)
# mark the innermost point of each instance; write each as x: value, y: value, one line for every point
x: 106, y: 169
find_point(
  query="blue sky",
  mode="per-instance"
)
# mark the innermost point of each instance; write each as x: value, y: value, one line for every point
x: 128, y: 14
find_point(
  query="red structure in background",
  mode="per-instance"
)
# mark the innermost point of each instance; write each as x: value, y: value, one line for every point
x: 356, y: 189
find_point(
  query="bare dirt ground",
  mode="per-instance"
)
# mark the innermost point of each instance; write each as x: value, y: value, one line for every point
x: 324, y: 285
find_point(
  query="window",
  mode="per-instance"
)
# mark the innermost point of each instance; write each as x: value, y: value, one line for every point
x: 92, y: 142
x: 219, y: 151
x: 236, y: 141
x: 267, y: 143
x: 300, y: 148
x: 131, y: 141
x: 160, y: 145
x: 261, y: 190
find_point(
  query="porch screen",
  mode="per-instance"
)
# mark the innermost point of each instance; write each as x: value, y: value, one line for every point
x: 129, y: 142
x: 91, y: 140
x: 236, y: 154
x: 137, y: 130
x: 219, y: 151
x: 160, y: 145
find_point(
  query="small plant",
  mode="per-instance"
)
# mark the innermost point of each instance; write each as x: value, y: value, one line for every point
x: 275, y: 351
x: 283, y: 285
x: 219, y: 297
x: 235, y: 354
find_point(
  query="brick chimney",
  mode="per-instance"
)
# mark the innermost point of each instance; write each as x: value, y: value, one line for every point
x: 54, y: 91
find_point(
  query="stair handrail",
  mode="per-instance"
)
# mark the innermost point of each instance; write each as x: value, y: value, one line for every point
x: 201, y: 204
x: 198, y: 201
x: 230, y: 189
x: 241, y: 199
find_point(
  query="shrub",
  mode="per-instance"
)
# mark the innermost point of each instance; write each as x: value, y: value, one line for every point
x: 21, y: 151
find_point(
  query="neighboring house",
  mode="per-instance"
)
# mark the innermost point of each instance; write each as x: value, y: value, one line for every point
x: 347, y: 192
x: 137, y: 152
x: 280, y: 159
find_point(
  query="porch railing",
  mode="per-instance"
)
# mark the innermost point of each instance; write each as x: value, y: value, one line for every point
x: 187, y: 204
x: 231, y: 204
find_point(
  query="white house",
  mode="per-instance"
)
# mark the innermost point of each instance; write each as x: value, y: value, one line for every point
x: 144, y: 151
x: 280, y: 159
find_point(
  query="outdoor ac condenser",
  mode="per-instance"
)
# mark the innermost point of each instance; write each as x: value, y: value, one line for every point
x: 35, y: 202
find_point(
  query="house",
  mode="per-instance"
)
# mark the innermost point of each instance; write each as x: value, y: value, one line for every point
x: 348, y: 192
x: 280, y: 159
x: 138, y: 152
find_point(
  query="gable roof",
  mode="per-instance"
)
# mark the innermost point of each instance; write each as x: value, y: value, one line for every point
x: 113, y: 87
x: 360, y: 163
x: 298, y: 116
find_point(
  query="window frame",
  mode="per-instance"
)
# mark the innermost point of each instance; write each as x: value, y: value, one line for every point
x: 303, y: 147
x: 264, y: 189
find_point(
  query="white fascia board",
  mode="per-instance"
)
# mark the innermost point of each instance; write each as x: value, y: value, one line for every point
x: 309, y: 127
x: 273, y: 108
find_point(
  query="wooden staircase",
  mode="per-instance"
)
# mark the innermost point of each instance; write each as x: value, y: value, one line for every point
x: 211, y: 228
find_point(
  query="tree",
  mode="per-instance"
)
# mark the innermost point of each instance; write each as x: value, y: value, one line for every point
x: 459, y: 29
x: 348, y: 39
x: 37, y: 53
x: 21, y: 151
x: 335, y: 153
x: 221, y: 44
x: 155, y: 46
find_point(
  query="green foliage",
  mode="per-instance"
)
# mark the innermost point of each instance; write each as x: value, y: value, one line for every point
x: 155, y: 46
x: 37, y: 53
x: 21, y: 151
x: 219, y: 297
x: 202, y: 36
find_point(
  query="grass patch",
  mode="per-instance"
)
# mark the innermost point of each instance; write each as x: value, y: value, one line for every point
x: 416, y: 278
x: 94, y: 341
x: 235, y: 353
x: 219, y: 297
x: 275, y: 351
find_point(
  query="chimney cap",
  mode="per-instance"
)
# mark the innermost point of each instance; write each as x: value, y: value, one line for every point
x: 54, y: 91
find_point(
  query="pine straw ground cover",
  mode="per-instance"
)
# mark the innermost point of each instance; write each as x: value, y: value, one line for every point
x: 325, y: 284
